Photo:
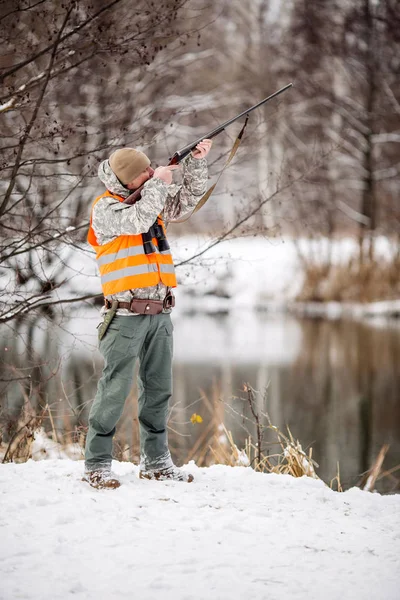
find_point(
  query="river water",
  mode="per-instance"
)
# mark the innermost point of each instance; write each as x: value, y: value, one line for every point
x: 335, y: 384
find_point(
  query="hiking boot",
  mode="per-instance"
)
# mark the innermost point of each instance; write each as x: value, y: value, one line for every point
x: 101, y: 479
x: 169, y: 473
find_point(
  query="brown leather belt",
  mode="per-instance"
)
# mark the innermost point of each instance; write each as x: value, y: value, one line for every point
x: 145, y: 307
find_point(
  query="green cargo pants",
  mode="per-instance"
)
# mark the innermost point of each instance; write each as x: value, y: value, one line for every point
x: 149, y: 339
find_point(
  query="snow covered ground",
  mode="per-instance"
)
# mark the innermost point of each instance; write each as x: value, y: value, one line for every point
x: 232, y: 534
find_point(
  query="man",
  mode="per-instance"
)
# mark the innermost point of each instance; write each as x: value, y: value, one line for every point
x: 137, y: 274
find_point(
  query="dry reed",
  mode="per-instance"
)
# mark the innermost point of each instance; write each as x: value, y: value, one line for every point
x: 351, y: 282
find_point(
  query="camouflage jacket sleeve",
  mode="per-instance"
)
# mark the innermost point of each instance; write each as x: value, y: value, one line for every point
x: 182, y: 199
x: 112, y: 218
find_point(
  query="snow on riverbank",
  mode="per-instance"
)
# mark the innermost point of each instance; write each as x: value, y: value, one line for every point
x: 232, y: 534
x: 266, y: 274
x: 253, y: 273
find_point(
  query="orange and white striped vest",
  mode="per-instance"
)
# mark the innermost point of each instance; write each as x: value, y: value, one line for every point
x: 123, y: 263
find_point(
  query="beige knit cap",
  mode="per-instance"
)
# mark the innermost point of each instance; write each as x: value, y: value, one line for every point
x: 128, y: 163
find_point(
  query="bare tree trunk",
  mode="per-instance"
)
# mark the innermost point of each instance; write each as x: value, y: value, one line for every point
x: 368, y: 202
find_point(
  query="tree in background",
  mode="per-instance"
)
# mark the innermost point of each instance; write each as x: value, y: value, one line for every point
x: 92, y: 77
x: 372, y: 45
x: 77, y: 79
x: 76, y: 82
x: 344, y: 59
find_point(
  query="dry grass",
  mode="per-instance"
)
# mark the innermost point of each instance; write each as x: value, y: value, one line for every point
x: 351, y: 282
x: 225, y: 451
x: 369, y: 479
x: 291, y: 460
x: 214, y: 443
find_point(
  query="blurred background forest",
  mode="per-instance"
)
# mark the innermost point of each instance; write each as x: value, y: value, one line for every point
x: 80, y: 79
x: 322, y: 162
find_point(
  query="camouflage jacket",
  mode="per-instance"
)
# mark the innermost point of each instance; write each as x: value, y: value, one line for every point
x: 111, y: 219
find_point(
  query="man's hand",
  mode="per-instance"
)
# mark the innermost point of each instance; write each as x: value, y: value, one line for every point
x: 202, y: 149
x: 165, y: 173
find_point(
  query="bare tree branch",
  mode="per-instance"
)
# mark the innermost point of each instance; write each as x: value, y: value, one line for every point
x: 33, y: 118
x: 58, y: 40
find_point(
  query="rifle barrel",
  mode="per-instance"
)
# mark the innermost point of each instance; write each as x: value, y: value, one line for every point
x: 180, y: 154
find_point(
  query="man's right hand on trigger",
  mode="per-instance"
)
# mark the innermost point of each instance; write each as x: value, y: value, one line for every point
x: 165, y: 173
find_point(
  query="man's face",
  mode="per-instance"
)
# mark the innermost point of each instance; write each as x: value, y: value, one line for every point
x: 140, y: 179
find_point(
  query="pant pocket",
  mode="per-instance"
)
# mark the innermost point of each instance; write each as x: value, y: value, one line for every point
x: 118, y: 342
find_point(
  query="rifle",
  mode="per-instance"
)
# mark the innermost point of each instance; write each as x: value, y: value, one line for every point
x: 183, y: 152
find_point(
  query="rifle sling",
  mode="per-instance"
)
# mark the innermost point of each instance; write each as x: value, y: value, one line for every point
x: 208, y: 193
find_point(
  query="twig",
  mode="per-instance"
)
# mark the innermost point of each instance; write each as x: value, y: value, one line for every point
x: 374, y: 471
x: 250, y: 399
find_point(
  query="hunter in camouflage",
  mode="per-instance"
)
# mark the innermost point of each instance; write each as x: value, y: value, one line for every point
x: 109, y: 218
x: 131, y: 335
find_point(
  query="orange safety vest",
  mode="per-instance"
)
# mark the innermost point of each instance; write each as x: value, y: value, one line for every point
x: 123, y: 263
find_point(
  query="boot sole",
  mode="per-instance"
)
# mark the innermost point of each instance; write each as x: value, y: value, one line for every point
x: 160, y: 477
x: 100, y: 486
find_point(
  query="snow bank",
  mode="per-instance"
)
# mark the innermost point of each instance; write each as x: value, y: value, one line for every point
x: 266, y: 274
x: 232, y: 534
x: 256, y: 273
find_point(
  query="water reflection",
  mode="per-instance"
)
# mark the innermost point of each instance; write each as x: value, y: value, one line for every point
x: 335, y: 384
